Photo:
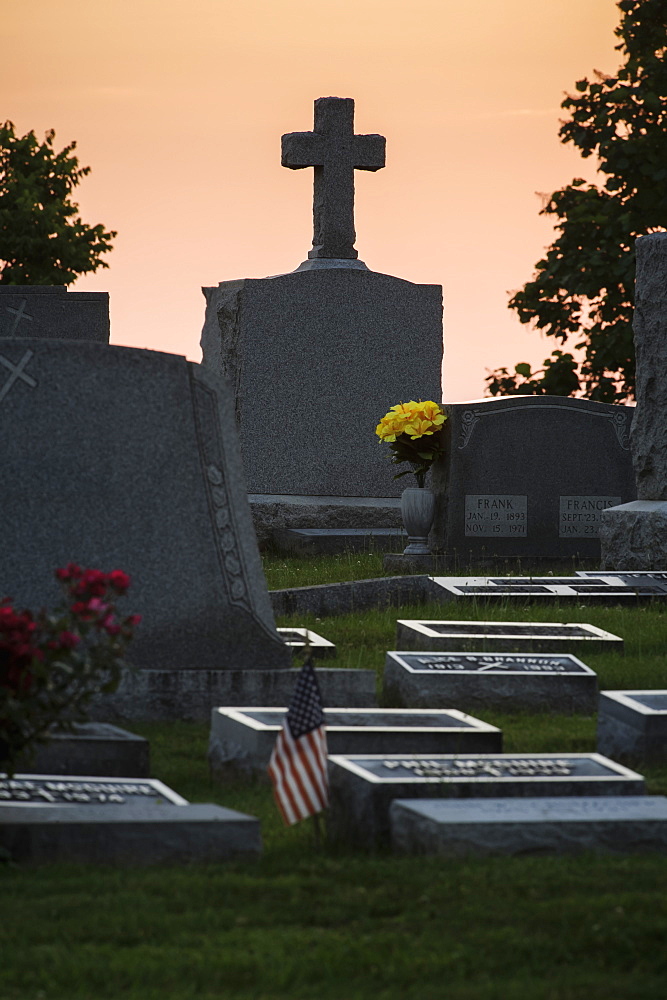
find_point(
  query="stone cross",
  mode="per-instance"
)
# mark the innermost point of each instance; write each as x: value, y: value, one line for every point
x: 335, y: 152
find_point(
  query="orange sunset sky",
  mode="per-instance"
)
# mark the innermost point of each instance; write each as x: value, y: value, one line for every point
x: 179, y: 108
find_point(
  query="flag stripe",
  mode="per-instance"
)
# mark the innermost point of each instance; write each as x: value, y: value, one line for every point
x: 298, y: 766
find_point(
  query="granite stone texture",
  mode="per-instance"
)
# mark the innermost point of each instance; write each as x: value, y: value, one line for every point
x: 54, y: 313
x: 93, y: 748
x: 649, y: 428
x: 146, y: 834
x: 633, y: 724
x: 190, y: 695
x: 311, y: 345
x: 483, y: 827
x: 330, y: 541
x: 120, y: 458
x: 271, y: 513
x: 528, y: 477
x: 634, y: 536
x: 243, y: 739
x: 335, y: 152
x: 504, y: 682
x: 362, y: 786
x: 357, y: 595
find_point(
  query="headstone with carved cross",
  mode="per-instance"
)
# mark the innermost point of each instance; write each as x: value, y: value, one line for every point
x: 51, y: 312
x: 318, y: 355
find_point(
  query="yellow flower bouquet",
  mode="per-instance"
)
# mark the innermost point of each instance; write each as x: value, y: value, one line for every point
x: 412, y: 431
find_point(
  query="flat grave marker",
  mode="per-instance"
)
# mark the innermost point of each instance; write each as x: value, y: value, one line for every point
x: 547, y: 589
x: 86, y: 819
x: 503, y: 681
x: 296, y: 638
x: 457, y: 828
x: 243, y: 738
x: 543, y: 637
x: 362, y: 786
x: 633, y: 724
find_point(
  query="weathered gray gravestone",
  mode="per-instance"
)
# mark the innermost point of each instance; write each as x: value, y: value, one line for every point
x: 634, y: 535
x: 123, y: 821
x: 362, y: 786
x: 301, y: 348
x: 539, y: 682
x: 50, y: 311
x: 529, y: 477
x: 633, y: 724
x: 120, y: 458
x: 243, y: 739
x: 451, y: 828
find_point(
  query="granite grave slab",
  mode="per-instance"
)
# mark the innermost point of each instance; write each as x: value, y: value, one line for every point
x: 545, y: 590
x: 296, y: 639
x: 54, y: 313
x: 536, y: 682
x: 530, y: 477
x: 118, y: 821
x: 80, y: 484
x: 633, y: 724
x: 327, y: 541
x: 542, y: 637
x: 94, y: 748
x: 362, y: 787
x: 450, y: 828
x: 244, y: 738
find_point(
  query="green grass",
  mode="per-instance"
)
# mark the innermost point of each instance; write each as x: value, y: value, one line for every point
x: 309, y: 922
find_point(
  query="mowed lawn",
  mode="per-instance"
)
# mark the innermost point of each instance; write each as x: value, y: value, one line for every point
x: 308, y: 921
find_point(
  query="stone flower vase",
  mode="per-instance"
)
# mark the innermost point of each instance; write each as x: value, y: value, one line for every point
x: 417, y: 510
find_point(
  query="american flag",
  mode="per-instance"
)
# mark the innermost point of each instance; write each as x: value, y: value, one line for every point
x: 298, y: 765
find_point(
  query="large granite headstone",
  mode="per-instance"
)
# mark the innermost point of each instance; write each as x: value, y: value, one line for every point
x: 634, y: 535
x: 114, y: 457
x: 52, y: 312
x: 332, y: 338
x: 528, y: 477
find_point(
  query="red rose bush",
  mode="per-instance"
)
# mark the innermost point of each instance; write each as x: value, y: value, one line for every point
x: 53, y: 663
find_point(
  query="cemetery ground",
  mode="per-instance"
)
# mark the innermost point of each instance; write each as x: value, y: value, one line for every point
x: 309, y: 920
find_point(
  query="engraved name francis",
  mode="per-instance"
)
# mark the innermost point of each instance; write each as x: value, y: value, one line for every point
x: 582, y: 515
x: 471, y: 768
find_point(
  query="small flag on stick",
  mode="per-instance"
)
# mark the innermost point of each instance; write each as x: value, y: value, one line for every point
x: 298, y: 765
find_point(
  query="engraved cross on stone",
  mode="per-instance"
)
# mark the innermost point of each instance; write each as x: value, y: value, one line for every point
x: 335, y: 152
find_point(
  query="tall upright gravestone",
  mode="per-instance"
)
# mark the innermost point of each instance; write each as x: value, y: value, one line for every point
x: 318, y: 355
x: 118, y: 458
x: 54, y: 313
x: 529, y: 477
x: 634, y: 535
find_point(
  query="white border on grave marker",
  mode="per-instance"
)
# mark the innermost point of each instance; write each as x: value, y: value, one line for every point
x: 315, y: 640
x: 474, y: 724
x: 348, y: 762
x: 626, y: 698
x: 421, y: 625
x: 399, y: 654
x: 172, y: 797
